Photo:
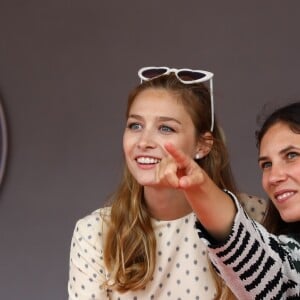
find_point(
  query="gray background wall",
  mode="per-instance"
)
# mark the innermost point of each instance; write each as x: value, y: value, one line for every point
x: 65, y: 70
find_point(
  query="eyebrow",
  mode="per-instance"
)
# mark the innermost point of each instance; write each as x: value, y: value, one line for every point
x: 281, y: 152
x: 161, y: 118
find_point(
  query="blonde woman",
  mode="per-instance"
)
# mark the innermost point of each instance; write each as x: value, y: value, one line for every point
x: 144, y: 244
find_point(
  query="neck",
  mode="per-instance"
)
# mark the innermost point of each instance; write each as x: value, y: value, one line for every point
x: 166, y: 204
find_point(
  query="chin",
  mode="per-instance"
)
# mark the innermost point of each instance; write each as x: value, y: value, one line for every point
x: 290, y: 218
x: 144, y: 181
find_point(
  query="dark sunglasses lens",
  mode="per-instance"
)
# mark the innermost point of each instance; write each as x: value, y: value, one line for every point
x: 189, y: 75
x: 152, y: 73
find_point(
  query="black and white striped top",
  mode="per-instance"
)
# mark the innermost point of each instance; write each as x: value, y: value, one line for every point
x: 254, y: 263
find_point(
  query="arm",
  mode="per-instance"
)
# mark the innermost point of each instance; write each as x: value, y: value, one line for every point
x: 87, y: 272
x: 254, y: 263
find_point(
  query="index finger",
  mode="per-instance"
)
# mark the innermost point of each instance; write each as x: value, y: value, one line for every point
x: 180, y: 157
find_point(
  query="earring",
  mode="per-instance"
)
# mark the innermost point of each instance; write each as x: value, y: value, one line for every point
x: 198, y: 155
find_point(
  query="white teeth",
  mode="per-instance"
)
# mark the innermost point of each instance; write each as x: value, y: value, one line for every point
x: 284, y: 195
x: 147, y: 160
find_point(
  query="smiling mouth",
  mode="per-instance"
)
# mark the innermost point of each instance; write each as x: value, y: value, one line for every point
x: 284, y: 196
x: 148, y: 160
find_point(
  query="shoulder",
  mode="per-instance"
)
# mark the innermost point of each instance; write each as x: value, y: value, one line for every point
x: 92, y: 226
x: 253, y: 205
x: 95, y: 218
x: 87, y: 269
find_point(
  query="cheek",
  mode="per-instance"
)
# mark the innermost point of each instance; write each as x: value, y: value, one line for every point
x: 295, y: 171
x: 128, y: 143
x: 264, y: 181
x: 187, y: 143
x: 189, y: 151
x: 125, y: 143
x: 189, y: 148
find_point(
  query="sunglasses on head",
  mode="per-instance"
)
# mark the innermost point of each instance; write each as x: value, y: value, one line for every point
x: 186, y: 76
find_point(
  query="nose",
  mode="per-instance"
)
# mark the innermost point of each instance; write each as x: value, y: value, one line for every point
x: 146, y: 140
x: 277, y: 174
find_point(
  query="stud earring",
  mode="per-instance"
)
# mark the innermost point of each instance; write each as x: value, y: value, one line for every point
x: 198, y: 156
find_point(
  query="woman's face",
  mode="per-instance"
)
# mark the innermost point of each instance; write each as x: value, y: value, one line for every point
x: 279, y: 159
x: 155, y: 117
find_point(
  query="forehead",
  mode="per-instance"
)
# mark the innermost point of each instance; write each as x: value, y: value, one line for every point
x: 278, y: 137
x: 158, y: 100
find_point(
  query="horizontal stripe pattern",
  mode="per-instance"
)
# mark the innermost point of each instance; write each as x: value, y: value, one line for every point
x: 254, y: 263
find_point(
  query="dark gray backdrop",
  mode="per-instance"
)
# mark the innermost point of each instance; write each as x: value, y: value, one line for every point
x: 65, y: 70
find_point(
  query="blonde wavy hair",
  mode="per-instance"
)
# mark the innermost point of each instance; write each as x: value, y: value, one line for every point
x: 130, y: 244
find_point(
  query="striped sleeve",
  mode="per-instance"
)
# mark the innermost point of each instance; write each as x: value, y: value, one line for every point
x: 254, y: 263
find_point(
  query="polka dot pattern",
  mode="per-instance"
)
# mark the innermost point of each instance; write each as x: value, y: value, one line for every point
x: 254, y: 206
x: 182, y: 270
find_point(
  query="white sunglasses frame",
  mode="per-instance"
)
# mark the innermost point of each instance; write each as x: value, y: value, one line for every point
x: 208, y: 76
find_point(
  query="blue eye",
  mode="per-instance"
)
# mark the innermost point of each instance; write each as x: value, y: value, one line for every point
x: 134, y: 126
x: 292, y: 155
x: 265, y: 165
x: 166, y: 129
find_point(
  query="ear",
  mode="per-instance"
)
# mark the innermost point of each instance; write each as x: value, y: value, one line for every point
x: 204, y: 145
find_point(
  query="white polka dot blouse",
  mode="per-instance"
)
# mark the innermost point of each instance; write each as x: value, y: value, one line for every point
x: 182, y: 269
